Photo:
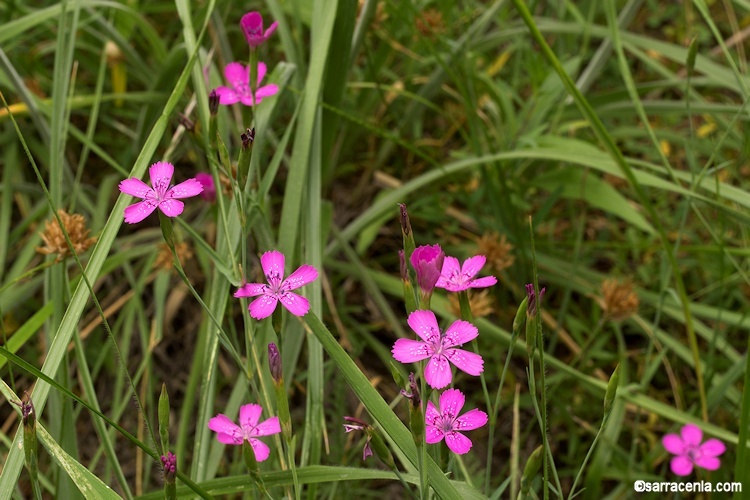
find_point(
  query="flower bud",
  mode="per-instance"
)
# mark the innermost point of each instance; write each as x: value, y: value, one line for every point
x: 609, y: 396
x: 274, y: 362
x: 533, y: 464
x: 213, y: 103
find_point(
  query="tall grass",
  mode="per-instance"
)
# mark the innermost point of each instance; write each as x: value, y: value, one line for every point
x: 613, y: 131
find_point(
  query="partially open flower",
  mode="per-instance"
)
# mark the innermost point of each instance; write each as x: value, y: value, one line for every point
x: 252, y: 27
x: 54, y: 239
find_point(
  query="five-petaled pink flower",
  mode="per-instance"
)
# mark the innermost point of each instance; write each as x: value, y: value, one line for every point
x: 427, y: 261
x: 160, y: 195
x: 209, y: 188
x: 238, y: 76
x: 455, y: 277
x: 252, y: 26
x: 689, y: 451
x: 440, y: 348
x: 277, y: 290
x: 249, y: 429
x: 445, y: 422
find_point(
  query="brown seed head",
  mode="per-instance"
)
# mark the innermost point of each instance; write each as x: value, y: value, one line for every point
x: 482, y: 304
x: 165, y: 261
x: 54, y: 239
x: 498, y: 251
x: 619, y: 301
x: 430, y: 23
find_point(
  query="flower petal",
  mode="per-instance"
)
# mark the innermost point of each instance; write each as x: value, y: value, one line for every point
x: 263, y: 306
x: 266, y: 91
x: 483, y: 282
x: 451, y: 268
x: 228, y: 431
x: 472, y: 419
x: 301, y: 277
x: 261, y: 72
x: 261, y: 449
x: 433, y: 434
x: 459, y: 333
x: 681, y: 465
x: 410, y: 351
x: 457, y: 442
x: 466, y: 361
x: 451, y: 402
x: 296, y: 304
x: 438, y: 373
x: 712, y: 448
x: 273, y: 268
x: 227, y: 95
x: 692, y: 435
x: 269, y: 31
x: 432, y: 415
x: 191, y: 187
x: 249, y: 416
x: 252, y: 290
x: 137, y: 188
x: 708, y: 463
x: 267, y: 427
x: 237, y: 75
x: 171, y: 208
x: 673, y: 444
x: 161, y: 174
x: 139, y: 211
x: 425, y: 325
x: 472, y: 266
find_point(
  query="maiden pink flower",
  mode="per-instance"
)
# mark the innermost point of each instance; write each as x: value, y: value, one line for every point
x: 427, y: 261
x: 445, y: 422
x: 455, y: 277
x: 277, y: 290
x: 238, y: 76
x: 209, y: 189
x: 252, y: 26
x: 440, y: 348
x: 249, y: 429
x: 160, y: 195
x: 689, y: 451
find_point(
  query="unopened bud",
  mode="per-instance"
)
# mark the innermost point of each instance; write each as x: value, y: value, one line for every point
x: 609, y: 396
x: 381, y: 450
x: 169, y: 465
x: 274, y: 362
x: 533, y: 464
x: 520, y: 318
x: 213, y: 103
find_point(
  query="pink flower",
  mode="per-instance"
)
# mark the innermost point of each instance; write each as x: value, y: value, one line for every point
x: 238, y: 77
x: 252, y: 26
x: 457, y: 278
x: 445, y: 423
x: 278, y: 290
x: 355, y: 424
x: 440, y: 348
x: 689, y: 451
x: 249, y: 429
x: 427, y: 261
x: 209, y: 189
x: 160, y: 195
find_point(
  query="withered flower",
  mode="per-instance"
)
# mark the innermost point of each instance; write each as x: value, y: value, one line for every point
x: 619, y: 301
x: 165, y: 261
x: 54, y: 239
x: 482, y: 304
x: 497, y: 250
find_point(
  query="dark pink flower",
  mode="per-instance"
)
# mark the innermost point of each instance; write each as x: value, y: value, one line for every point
x: 445, y: 422
x: 689, y: 451
x: 440, y: 348
x: 238, y: 77
x: 455, y: 277
x: 161, y: 195
x: 427, y: 261
x: 209, y: 189
x: 252, y: 26
x: 249, y: 429
x: 278, y: 289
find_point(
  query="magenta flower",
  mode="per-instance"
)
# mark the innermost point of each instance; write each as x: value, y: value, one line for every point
x: 238, y: 76
x: 277, y: 290
x: 160, y: 195
x: 427, y: 261
x: 445, y: 423
x: 689, y: 451
x: 440, y: 348
x: 209, y: 189
x: 252, y: 26
x: 455, y: 277
x: 249, y: 429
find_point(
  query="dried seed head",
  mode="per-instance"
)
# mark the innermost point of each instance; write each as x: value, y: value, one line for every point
x: 498, y: 251
x: 482, y: 304
x: 165, y: 261
x: 430, y: 23
x: 54, y: 239
x: 619, y: 301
